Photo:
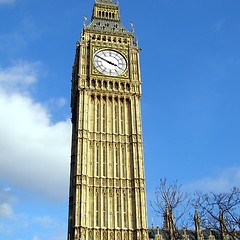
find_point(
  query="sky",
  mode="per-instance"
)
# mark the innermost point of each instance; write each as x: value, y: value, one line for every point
x: 190, y: 64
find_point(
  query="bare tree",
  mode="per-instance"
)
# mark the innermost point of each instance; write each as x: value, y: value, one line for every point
x: 171, y: 203
x: 219, y: 211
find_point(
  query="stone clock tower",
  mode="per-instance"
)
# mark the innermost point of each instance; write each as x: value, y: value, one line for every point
x: 107, y: 187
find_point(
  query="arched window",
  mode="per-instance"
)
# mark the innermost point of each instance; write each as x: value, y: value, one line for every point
x: 93, y: 83
x: 116, y: 86
x: 128, y: 87
x: 111, y: 85
x: 105, y: 84
x: 122, y: 87
x: 99, y: 84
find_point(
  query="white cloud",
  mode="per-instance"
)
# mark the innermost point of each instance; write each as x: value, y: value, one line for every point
x: 34, y: 152
x: 6, y: 210
x: 19, y: 76
x: 223, y: 181
x: 6, y: 202
x: 57, y: 103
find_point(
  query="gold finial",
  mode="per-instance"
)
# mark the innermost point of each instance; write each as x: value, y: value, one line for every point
x: 131, y: 24
x: 85, y: 21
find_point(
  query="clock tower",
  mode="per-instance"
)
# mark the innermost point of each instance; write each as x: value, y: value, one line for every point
x: 107, y: 199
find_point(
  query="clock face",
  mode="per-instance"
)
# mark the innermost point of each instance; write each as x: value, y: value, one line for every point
x: 110, y: 62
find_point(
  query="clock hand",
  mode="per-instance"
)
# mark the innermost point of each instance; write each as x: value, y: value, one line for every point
x: 107, y: 61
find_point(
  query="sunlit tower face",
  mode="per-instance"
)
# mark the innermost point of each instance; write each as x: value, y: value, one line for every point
x: 107, y: 184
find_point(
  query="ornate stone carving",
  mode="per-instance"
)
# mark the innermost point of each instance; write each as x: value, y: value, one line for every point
x: 101, y: 178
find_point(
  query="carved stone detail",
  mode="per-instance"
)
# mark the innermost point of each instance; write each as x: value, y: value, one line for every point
x: 107, y: 157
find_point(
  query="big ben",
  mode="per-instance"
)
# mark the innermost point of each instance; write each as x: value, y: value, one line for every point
x: 107, y: 199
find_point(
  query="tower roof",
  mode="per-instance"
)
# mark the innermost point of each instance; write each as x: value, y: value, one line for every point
x: 111, y: 2
x: 106, y: 18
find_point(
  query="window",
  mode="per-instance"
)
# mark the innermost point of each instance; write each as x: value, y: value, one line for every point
x: 104, y: 82
x: 125, y: 210
x: 116, y: 117
x: 111, y: 85
x: 104, y: 117
x: 122, y: 118
x: 104, y: 161
x: 93, y: 83
x: 117, y: 163
x: 122, y: 86
x: 97, y: 209
x: 104, y: 210
x: 98, y: 117
x: 128, y: 87
x: 97, y: 161
x: 111, y: 211
x: 123, y: 163
x: 118, y: 210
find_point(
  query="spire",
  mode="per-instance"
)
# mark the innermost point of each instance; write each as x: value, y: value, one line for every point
x: 152, y: 224
x: 104, y: 1
x: 197, y: 221
x: 185, y: 235
x: 106, y: 18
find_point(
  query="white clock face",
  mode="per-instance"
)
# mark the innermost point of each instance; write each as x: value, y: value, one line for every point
x: 110, y: 62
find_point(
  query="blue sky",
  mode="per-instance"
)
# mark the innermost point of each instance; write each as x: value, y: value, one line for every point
x: 191, y: 81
